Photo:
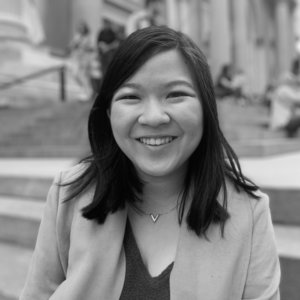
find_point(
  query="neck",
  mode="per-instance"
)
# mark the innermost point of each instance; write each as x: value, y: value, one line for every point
x: 162, y: 193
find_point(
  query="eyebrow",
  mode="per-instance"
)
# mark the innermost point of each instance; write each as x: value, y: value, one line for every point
x: 168, y: 84
x: 180, y: 82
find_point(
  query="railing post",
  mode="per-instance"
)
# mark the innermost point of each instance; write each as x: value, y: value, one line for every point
x: 62, y: 75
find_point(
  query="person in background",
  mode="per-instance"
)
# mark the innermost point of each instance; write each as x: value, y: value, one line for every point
x: 161, y: 208
x: 230, y: 83
x: 152, y: 14
x: 285, y: 102
x: 95, y: 73
x: 80, y: 50
x: 107, y: 43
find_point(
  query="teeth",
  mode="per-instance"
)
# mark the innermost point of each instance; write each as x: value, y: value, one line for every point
x: 156, y: 141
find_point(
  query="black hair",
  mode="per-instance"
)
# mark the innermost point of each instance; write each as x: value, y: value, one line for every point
x: 112, y: 173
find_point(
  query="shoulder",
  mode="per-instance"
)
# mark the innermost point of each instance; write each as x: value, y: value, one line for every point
x: 58, y: 205
x: 71, y: 173
x: 61, y: 188
x: 246, y: 211
x: 252, y: 224
x: 241, y: 198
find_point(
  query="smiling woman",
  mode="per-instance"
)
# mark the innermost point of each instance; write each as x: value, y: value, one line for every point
x: 161, y: 208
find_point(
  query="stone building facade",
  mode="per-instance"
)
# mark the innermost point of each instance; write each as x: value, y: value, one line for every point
x: 257, y: 36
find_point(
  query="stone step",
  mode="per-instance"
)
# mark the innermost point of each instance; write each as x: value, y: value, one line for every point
x: 265, y: 147
x: 20, y: 220
x: 33, y: 168
x: 290, y: 274
x: 19, y: 95
x: 288, y: 241
x: 247, y: 130
x: 47, y: 84
x: 285, y: 205
x: 25, y: 187
x: 280, y: 172
x: 14, y: 261
x: 46, y: 81
x: 284, y: 202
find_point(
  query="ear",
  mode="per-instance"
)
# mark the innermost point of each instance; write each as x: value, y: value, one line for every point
x: 108, y: 113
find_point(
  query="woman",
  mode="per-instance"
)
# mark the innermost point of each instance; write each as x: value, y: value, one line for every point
x: 161, y: 209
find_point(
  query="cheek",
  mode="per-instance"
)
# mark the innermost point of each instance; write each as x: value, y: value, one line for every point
x: 121, y: 121
x: 116, y: 121
x: 192, y: 119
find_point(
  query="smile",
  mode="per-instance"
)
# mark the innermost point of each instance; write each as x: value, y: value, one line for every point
x: 156, y: 141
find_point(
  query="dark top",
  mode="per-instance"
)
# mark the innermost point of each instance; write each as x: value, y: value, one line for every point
x: 139, y: 284
x: 107, y: 36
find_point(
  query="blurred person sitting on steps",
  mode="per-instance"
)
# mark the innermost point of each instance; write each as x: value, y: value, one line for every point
x: 230, y: 84
x: 285, y: 102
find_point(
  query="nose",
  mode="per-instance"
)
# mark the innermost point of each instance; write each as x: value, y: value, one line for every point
x: 154, y: 114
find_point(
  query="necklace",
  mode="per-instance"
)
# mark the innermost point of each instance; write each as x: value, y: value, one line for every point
x: 154, y: 216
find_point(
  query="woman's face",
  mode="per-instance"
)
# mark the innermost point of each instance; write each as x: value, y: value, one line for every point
x: 156, y: 116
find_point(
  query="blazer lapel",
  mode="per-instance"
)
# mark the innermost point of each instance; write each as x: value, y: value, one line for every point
x: 96, y: 259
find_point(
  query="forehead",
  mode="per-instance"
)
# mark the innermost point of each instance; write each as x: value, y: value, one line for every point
x: 163, y: 66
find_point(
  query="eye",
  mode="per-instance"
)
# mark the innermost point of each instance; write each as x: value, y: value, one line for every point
x: 130, y: 97
x: 176, y: 94
x: 127, y: 97
x: 179, y: 94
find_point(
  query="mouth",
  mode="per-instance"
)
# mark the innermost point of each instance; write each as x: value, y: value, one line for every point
x: 156, y: 141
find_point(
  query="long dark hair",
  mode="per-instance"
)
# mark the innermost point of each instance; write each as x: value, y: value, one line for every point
x: 112, y: 173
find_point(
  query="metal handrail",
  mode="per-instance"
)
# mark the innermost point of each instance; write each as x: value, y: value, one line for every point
x: 62, y: 76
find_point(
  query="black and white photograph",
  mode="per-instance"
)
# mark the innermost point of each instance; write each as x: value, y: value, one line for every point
x: 149, y: 149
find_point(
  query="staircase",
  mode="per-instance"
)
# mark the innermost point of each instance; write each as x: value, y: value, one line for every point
x: 22, y: 200
x: 246, y: 127
x: 30, y: 61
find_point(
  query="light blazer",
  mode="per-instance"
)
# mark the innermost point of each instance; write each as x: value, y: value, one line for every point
x: 77, y: 259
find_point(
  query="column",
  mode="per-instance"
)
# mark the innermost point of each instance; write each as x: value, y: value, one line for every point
x: 11, y: 17
x: 57, y: 23
x: 173, y: 19
x: 220, y: 36
x: 191, y: 18
x: 284, y: 44
x: 238, y: 26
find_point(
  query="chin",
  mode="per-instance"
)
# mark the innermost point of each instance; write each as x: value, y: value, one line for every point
x: 159, y: 171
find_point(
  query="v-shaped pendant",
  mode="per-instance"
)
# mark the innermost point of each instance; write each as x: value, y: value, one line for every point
x: 154, y: 217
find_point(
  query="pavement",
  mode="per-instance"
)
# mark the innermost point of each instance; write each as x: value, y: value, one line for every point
x: 277, y: 171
